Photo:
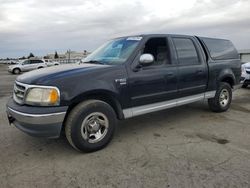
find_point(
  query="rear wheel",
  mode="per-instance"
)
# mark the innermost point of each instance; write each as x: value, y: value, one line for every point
x: 244, y: 85
x: 222, y: 100
x: 16, y: 71
x: 90, y: 125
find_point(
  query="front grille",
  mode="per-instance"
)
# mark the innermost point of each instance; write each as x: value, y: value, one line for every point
x: 19, y: 92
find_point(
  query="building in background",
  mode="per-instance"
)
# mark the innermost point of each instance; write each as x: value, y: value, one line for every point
x: 69, y: 56
x: 244, y: 55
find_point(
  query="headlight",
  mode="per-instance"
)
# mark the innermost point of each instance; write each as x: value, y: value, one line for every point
x: 42, y: 96
x: 243, y: 70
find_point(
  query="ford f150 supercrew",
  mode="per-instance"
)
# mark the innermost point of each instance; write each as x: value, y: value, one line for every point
x: 125, y: 77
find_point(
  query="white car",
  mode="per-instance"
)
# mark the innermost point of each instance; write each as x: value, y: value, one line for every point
x: 50, y: 62
x: 245, y: 74
x: 27, y: 65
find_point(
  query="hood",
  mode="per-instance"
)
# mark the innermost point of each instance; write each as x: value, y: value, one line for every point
x: 13, y: 66
x: 44, y: 75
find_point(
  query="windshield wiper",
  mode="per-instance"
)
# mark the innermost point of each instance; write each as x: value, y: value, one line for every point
x: 94, y: 62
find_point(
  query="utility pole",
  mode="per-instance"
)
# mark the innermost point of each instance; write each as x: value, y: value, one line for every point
x: 68, y: 51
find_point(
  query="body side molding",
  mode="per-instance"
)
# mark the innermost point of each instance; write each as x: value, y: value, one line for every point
x: 144, y: 109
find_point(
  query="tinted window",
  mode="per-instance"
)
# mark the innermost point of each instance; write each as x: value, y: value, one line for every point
x: 186, y: 51
x: 221, y: 49
x: 36, y: 61
x: 39, y: 61
x: 159, y: 49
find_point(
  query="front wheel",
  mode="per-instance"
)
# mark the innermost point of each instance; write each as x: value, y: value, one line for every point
x: 90, y: 125
x: 222, y: 100
x: 16, y: 71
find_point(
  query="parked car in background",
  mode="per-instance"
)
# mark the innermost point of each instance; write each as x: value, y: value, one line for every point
x: 126, y: 77
x: 26, y: 65
x: 245, y: 74
x: 12, y: 62
x: 50, y: 62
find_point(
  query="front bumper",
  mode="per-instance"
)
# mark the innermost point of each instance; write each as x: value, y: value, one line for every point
x: 37, y: 121
x: 245, y: 79
x: 246, y: 82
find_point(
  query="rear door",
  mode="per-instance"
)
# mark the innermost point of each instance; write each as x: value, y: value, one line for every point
x: 39, y: 64
x: 192, y: 66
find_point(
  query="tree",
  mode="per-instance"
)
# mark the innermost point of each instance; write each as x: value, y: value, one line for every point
x: 31, y: 55
x: 22, y: 57
x: 56, y: 55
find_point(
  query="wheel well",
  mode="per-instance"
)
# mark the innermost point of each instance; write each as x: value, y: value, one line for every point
x: 112, y: 101
x: 228, y: 80
x: 16, y: 68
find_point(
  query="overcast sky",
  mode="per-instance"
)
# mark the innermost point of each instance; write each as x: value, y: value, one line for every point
x: 43, y: 26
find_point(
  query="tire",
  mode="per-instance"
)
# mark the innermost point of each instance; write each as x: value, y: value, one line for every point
x: 16, y: 71
x: 222, y: 100
x: 85, y: 120
x: 39, y: 67
x: 244, y: 85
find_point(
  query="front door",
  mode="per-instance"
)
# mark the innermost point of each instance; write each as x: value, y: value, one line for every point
x: 156, y: 82
x: 26, y: 65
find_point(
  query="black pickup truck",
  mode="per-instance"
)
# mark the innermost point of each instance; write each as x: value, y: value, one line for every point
x: 125, y: 77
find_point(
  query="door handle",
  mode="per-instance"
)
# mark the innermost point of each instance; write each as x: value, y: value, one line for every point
x: 199, y: 71
x: 170, y: 75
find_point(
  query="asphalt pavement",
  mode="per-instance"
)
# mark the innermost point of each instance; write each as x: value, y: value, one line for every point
x: 187, y: 146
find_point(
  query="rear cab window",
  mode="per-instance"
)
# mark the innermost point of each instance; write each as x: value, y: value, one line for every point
x: 220, y: 49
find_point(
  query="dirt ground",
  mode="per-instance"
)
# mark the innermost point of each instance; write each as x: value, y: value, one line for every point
x: 188, y: 146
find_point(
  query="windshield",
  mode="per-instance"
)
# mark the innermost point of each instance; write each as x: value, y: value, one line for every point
x: 116, y: 51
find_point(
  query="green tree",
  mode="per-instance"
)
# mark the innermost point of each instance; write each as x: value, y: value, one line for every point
x: 31, y: 55
x: 56, y: 55
x: 22, y: 57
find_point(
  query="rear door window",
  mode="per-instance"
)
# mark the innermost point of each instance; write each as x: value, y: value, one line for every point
x: 39, y: 61
x: 186, y: 51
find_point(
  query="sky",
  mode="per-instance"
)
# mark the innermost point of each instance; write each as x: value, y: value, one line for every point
x: 46, y: 26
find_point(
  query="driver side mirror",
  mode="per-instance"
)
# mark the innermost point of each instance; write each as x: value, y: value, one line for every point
x: 146, y: 59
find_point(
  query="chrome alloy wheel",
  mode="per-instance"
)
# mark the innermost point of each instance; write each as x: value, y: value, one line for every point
x: 94, y: 127
x: 224, y: 97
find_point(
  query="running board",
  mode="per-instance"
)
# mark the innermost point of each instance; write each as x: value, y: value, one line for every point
x: 144, y: 109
